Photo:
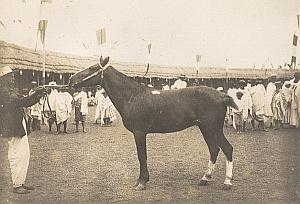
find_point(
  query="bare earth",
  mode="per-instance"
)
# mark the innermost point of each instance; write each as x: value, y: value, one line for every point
x: 101, y: 166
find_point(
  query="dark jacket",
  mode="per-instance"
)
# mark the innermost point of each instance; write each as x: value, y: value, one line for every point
x: 12, y: 114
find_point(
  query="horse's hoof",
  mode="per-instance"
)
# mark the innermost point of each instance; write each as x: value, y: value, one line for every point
x: 136, y: 184
x: 140, y: 187
x: 203, y: 183
x: 227, y: 187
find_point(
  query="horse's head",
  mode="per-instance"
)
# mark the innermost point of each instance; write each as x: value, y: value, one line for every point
x: 90, y: 76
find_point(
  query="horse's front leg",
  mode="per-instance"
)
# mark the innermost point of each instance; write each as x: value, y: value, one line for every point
x: 140, y: 141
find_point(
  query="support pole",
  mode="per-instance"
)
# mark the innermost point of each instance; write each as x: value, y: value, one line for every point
x: 44, y: 64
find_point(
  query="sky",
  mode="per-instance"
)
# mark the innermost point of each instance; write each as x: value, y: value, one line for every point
x: 231, y: 33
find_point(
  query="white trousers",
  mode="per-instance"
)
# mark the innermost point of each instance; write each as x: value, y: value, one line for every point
x: 18, y: 157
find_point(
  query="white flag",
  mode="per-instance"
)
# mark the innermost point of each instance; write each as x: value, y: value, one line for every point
x: 101, y: 36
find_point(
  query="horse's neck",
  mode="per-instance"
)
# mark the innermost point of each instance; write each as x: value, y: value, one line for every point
x: 120, y: 88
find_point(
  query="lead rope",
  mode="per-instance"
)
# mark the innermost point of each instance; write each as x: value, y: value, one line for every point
x: 46, y: 99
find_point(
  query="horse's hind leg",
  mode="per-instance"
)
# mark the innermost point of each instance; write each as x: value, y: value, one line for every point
x: 214, y: 149
x: 227, y: 149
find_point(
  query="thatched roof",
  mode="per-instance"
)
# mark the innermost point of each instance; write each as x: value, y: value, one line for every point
x: 29, y: 59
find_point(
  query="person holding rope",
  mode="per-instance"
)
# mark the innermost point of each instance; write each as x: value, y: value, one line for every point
x: 35, y: 111
x: 49, y: 107
x: 13, y: 127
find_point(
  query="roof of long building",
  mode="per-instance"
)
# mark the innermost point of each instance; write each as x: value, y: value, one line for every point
x: 29, y: 59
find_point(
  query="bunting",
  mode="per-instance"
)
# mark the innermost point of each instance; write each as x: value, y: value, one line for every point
x: 295, y: 39
x: 42, y: 29
x: 149, y: 48
x: 198, y: 58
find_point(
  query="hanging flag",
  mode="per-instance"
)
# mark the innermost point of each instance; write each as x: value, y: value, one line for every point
x: 149, y: 48
x: 42, y: 29
x: 298, y: 20
x: 101, y: 36
x: 198, y: 58
x: 295, y: 39
x: 1, y: 23
x: 293, y: 61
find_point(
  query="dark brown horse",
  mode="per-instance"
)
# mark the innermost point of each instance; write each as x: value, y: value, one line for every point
x: 144, y: 111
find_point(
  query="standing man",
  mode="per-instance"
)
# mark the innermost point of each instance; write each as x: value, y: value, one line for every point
x: 278, y: 105
x: 35, y: 110
x: 180, y: 83
x: 63, y: 108
x: 246, y: 98
x: 258, y: 96
x: 295, y: 103
x: 52, y: 97
x: 269, y: 95
x: 81, y: 108
x: 13, y: 127
x: 98, y: 97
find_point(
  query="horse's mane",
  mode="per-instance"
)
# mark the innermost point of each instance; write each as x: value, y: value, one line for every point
x: 128, y: 82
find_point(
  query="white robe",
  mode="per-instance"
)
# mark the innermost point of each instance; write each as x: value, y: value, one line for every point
x: 18, y: 157
x: 52, y: 100
x: 270, y: 91
x: 295, y: 105
x: 107, y: 109
x: 63, y: 106
x: 84, y: 102
x: 288, y: 96
x: 98, y: 97
x: 247, y: 102
x: 179, y: 84
x: 258, y: 96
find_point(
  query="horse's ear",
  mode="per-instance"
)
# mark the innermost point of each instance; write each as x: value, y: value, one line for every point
x: 103, y: 62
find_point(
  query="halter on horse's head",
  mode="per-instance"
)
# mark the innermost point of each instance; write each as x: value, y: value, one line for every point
x: 92, y: 73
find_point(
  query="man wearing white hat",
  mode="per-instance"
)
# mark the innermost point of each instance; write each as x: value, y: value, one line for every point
x: 13, y: 127
x: 180, y: 83
x: 52, y: 97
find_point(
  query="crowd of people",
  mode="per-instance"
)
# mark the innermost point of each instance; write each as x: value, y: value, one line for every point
x: 277, y: 104
x: 59, y: 106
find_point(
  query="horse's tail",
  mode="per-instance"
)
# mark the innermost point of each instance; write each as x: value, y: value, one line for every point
x: 228, y: 100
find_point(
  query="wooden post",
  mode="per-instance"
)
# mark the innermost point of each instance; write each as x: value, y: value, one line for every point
x: 44, y: 64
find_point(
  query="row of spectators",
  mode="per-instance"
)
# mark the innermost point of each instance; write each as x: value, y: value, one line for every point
x: 277, y: 104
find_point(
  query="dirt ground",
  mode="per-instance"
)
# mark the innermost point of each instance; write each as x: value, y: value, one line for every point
x: 101, y: 166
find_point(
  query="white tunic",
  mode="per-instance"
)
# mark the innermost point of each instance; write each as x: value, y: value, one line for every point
x: 295, y: 105
x: 179, y: 84
x: 258, y: 96
x: 84, y: 102
x: 269, y: 94
x: 63, y: 106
